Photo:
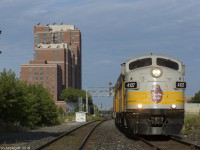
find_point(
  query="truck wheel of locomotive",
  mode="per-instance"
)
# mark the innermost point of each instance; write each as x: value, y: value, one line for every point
x: 124, y: 122
x: 116, y: 123
x: 121, y: 120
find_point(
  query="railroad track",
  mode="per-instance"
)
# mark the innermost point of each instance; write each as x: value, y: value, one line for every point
x: 73, y: 140
x: 168, y: 143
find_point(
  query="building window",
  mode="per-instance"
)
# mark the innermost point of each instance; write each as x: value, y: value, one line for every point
x: 37, y: 35
x: 47, y: 71
x: 44, y: 38
x: 54, y: 38
x: 36, y: 69
x: 62, y: 36
x: 58, y: 37
x: 30, y: 71
x: 41, y: 71
x: 53, y: 70
x: 72, y: 37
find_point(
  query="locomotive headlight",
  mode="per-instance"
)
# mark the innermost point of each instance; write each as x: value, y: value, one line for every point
x: 156, y: 72
x: 173, y: 106
x: 139, y: 106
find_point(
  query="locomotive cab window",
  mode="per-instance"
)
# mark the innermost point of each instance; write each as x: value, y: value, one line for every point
x: 140, y: 63
x: 167, y: 63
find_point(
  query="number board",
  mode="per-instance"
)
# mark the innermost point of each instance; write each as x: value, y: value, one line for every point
x: 181, y: 85
x: 131, y: 85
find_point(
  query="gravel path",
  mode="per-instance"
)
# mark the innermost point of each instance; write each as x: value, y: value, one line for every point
x: 193, y: 137
x: 108, y: 137
x: 35, y: 138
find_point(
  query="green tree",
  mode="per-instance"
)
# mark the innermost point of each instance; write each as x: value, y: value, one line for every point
x: 11, y: 97
x: 40, y: 107
x: 26, y: 105
x: 196, y: 98
x: 69, y: 95
x: 72, y: 95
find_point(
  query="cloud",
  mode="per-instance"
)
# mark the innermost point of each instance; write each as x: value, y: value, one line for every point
x: 112, y: 31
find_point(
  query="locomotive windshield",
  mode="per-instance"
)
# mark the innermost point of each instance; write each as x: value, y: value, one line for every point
x: 167, y: 63
x: 140, y: 63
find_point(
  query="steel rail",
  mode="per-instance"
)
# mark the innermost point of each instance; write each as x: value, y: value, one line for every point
x: 148, y: 143
x: 88, y: 135
x: 172, y: 138
x: 62, y: 135
x: 178, y: 139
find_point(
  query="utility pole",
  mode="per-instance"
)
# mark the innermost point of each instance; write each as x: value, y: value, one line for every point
x: 86, y: 101
x: 110, y: 88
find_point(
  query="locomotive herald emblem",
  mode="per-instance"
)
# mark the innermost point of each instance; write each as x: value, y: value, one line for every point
x: 156, y: 93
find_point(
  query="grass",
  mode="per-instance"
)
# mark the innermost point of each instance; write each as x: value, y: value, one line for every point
x: 191, y: 124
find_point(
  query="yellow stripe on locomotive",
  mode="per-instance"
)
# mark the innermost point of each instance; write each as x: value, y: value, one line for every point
x: 145, y: 98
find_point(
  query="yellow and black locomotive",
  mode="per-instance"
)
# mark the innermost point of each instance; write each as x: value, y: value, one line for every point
x: 149, y: 95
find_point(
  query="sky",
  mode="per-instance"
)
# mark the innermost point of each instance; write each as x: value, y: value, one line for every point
x: 112, y: 31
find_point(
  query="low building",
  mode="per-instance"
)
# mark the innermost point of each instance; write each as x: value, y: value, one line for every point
x: 192, y: 108
x: 40, y: 72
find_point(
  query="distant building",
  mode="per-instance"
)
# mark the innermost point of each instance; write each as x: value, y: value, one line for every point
x: 59, y: 34
x: 41, y: 72
x: 57, y: 59
x: 192, y: 108
x: 58, y: 54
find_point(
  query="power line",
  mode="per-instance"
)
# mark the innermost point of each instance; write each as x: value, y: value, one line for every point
x: 101, y: 91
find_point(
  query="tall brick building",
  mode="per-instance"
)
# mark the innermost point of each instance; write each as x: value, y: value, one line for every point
x: 57, y: 60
